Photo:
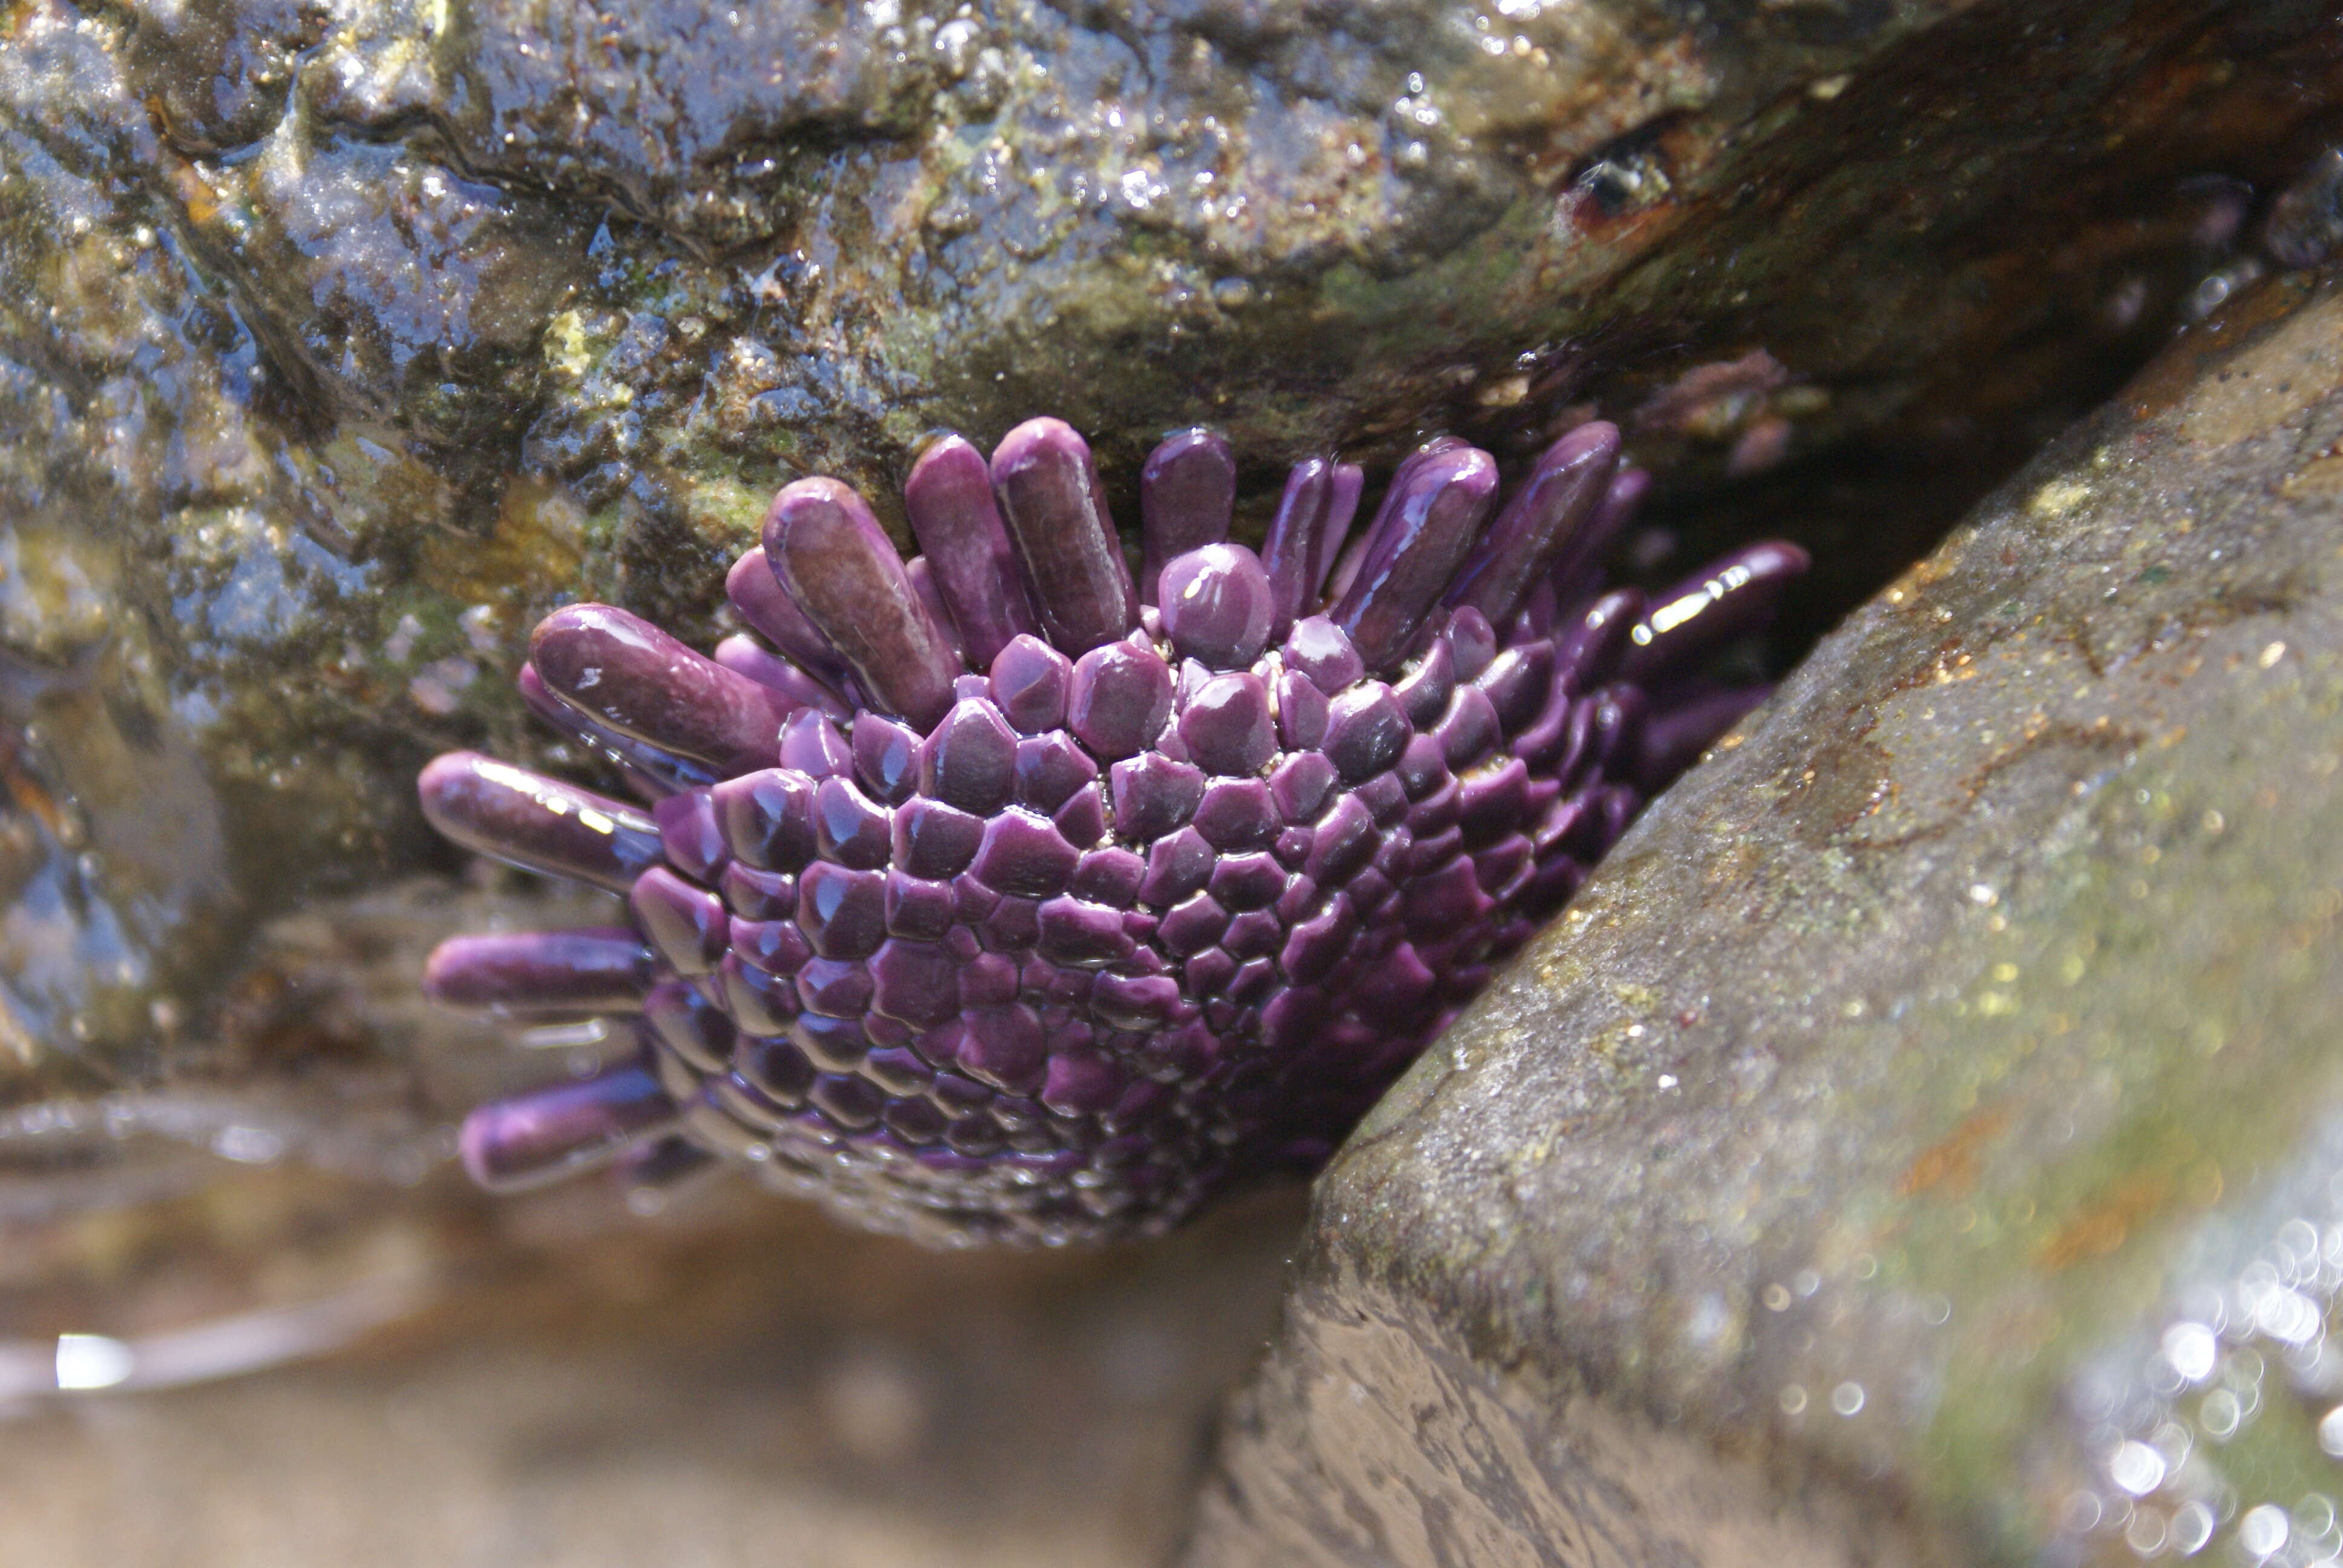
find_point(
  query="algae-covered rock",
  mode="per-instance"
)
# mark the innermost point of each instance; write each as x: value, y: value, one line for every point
x: 1922, y: 1140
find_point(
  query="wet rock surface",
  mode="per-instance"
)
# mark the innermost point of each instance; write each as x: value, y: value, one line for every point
x: 1919, y: 1142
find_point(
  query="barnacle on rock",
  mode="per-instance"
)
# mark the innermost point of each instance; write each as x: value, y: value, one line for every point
x: 1003, y: 896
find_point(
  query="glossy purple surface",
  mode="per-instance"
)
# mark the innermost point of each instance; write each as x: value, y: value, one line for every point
x: 834, y: 562
x: 1186, y: 492
x: 1001, y: 912
x: 1064, y: 542
x: 949, y: 497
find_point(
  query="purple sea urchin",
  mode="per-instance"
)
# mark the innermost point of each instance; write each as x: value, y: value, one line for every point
x: 1004, y: 896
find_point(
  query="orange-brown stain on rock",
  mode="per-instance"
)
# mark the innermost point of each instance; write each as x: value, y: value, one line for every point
x: 2101, y: 1226
x: 1951, y: 1162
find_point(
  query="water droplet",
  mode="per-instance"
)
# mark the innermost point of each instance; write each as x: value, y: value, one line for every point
x: 2288, y: 1316
x: 91, y: 1362
x: 2263, y: 1531
x: 2192, y: 1527
x: 2136, y: 1468
x: 2192, y: 1350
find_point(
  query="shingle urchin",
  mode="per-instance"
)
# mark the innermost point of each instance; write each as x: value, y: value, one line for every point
x: 1003, y: 896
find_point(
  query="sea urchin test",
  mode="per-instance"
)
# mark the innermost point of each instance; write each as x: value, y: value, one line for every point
x: 1001, y: 896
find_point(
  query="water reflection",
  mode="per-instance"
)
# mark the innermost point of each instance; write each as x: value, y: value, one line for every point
x: 2213, y: 1434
